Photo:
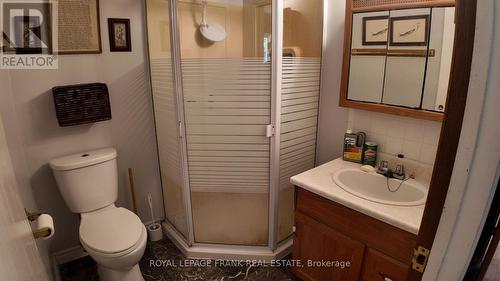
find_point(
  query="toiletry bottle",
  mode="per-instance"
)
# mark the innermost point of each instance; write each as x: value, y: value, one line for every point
x: 370, y: 153
x: 353, y: 146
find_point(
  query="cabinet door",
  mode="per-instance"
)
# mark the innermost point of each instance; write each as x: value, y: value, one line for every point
x: 380, y: 267
x: 324, y: 253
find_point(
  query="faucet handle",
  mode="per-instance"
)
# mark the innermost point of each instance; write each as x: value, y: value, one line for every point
x: 383, y: 167
x: 400, y: 168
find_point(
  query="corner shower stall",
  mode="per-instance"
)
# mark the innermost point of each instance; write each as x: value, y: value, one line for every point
x: 235, y: 119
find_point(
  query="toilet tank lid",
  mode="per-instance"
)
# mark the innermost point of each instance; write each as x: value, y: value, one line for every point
x: 83, y: 159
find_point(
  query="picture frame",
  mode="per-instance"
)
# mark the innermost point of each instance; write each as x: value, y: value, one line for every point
x: 27, y: 36
x: 375, y: 30
x: 81, y: 38
x: 119, y: 35
x: 31, y: 36
x: 409, y: 30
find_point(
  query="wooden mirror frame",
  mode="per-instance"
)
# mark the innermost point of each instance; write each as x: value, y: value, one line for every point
x: 357, y: 6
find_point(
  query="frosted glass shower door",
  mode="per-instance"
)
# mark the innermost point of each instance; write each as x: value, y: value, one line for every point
x: 165, y: 108
x: 226, y: 110
x: 227, y: 107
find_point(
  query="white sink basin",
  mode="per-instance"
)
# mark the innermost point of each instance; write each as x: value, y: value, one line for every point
x: 373, y: 187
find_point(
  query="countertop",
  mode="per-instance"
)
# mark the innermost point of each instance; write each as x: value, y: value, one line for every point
x: 319, y: 181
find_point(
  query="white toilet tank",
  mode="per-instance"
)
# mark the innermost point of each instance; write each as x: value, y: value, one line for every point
x: 87, y: 181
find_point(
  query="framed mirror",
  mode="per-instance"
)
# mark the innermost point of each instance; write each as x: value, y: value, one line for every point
x: 368, y: 50
x: 406, y: 58
x: 441, y: 39
x: 398, y: 60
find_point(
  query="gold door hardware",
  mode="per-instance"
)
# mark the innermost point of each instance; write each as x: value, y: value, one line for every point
x: 420, y: 257
x: 39, y: 233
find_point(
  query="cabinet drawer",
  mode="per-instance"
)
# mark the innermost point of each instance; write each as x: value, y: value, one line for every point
x: 378, y: 266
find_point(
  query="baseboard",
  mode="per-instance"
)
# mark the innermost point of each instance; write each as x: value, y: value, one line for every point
x: 64, y: 256
x: 70, y: 254
x: 55, y: 269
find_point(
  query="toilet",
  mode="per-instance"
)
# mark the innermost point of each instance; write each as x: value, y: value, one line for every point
x: 114, y: 237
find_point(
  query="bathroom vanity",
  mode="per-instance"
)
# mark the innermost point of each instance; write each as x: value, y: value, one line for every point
x: 335, y: 225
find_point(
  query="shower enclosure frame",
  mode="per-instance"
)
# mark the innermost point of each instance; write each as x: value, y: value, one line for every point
x: 274, y: 249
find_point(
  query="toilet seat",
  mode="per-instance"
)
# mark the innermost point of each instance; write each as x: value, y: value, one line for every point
x: 111, y: 231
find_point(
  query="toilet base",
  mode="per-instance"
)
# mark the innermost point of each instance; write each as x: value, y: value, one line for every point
x: 108, y: 274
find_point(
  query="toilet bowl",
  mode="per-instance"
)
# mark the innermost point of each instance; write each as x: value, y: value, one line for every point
x: 114, y: 237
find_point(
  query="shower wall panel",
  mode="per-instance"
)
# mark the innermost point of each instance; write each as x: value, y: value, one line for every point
x: 165, y: 109
x: 301, y: 74
x: 299, y: 114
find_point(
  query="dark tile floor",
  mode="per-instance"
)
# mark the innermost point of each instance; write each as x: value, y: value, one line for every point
x: 172, y: 265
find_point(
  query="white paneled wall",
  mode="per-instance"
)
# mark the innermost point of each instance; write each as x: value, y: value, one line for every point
x: 416, y: 139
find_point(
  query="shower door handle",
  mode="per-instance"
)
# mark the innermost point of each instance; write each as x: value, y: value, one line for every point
x: 180, y: 129
x: 269, y: 131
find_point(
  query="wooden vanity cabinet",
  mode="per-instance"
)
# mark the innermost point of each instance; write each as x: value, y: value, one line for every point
x: 330, y: 232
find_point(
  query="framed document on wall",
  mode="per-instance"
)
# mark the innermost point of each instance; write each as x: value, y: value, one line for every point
x: 79, y: 29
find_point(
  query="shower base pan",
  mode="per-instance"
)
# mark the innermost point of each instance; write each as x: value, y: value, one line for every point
x: 227, y: 252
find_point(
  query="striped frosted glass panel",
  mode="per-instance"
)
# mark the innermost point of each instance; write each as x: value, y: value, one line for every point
x: 299, y: 113
x: 168, y: 141
x: 165, y: 111
x: 227, y: 105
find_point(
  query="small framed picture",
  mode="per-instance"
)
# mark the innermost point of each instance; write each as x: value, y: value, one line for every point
x: 27, y: 34
x: 119, y: 35
x: 409, y: 30
x: 375, y: 30
x: 30, y: 36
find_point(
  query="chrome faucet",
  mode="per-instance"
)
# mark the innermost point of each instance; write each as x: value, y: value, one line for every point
x: 383, y: 168
x: 399, y: 173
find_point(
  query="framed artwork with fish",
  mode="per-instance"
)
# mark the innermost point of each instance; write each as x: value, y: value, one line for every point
x: 409, y: 30
x: 375, y: 30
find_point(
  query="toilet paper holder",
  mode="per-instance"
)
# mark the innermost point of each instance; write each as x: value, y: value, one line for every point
x: 38, y: 233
